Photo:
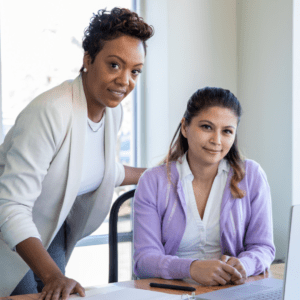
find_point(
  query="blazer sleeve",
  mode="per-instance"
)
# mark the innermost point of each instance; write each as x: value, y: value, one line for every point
x: 259, y: 247
x: 27, y: 153
x: 150, y: 257
x: 120, y: 173
x: 119, y: 168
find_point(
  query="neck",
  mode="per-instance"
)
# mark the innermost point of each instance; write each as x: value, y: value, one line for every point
x: 205, y: 173
x: 95, y: 111
x: 95, y: 115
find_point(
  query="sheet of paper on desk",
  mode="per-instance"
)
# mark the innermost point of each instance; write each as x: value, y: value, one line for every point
x: 120, y: 293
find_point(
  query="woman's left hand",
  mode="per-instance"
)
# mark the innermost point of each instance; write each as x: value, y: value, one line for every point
x: 235, y: 262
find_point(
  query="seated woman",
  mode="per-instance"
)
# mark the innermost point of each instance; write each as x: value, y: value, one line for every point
x: 205, y: 213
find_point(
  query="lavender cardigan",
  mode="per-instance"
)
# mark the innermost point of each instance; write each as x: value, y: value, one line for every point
x: 246, y: 229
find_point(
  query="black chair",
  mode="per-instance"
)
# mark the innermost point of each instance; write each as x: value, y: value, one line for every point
x: 114, y: 237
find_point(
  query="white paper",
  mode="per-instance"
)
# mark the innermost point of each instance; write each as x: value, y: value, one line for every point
x: 121, y: 293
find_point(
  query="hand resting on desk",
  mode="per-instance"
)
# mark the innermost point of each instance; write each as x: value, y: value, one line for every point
x: 60, y: 287
x: 235, y: 262
x: 213, y: 272
x: 56, y: 284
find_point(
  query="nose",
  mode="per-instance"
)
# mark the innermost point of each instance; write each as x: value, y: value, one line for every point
x: 216, y: 138
x: 123, y: 78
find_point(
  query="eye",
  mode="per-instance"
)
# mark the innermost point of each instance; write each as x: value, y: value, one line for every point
x: 228, y: 131
x: 137, y: 72
x: 114, y: 66
x: 205, y: 126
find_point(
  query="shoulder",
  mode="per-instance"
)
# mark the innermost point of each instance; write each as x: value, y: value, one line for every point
x: 51, y: 107
x: 255, y: 177
x: 155, y: 173
x: 159, y: 175
x: 57, y: 99
x: 253, y: 169
x: 50, y: 113
x: 154, y: 185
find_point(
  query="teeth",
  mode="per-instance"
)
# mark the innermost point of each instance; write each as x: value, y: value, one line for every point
x: 117, y: 93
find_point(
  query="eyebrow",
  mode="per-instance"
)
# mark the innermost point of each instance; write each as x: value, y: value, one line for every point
x: 207, y: 121
x: 123, y: 60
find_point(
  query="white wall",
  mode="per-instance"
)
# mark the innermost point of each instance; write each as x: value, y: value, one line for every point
x: 264, y: 38
x: 247, y: 47
x: 202, y: 50
x: 194, y: 46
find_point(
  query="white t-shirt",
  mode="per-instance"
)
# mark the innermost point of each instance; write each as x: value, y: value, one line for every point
x: 201, y: 239
x: 94, y: 159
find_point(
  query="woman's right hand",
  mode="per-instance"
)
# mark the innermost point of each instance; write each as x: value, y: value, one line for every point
x: 56, y: 285
x: 212, y: 272
x: 60, y: 286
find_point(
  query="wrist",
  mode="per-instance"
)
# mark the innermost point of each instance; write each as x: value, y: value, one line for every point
x: 193, y: 267
x: 50, y: 276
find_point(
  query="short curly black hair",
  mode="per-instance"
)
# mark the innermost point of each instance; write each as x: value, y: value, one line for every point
x: 108, y: 25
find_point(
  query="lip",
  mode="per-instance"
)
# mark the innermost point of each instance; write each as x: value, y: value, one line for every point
x: 118, y: 93
x: 212, y: 151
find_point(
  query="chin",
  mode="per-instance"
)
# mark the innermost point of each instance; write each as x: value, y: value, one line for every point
x: 113, y: 104
x: 214, y: 161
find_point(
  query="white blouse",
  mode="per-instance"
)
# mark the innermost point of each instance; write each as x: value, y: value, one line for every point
x: 201, y: 239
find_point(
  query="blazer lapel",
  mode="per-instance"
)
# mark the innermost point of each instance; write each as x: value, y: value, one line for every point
x: 79, y: 120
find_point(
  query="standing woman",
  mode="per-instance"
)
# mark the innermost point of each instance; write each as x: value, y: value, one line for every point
x: 206, y: 213
x: 57, y: 163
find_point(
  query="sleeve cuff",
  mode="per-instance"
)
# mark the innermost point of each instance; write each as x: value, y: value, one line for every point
x: 15, y: 231
x: 180, y: 268
x: 248, y: 266
x: 120, y: 174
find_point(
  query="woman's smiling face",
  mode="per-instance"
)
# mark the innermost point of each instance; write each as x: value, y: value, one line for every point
x: 113, y: 74
x: 210, y: 135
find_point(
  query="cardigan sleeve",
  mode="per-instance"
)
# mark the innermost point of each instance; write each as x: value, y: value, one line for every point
x: 259, y: 249
x: 26, y: 155
x: 150, y: 257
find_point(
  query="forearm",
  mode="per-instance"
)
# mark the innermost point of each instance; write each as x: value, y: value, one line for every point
x: 163, y: 266
x: 38, y: 259
x: 257, y: 258
x: 132, y: 175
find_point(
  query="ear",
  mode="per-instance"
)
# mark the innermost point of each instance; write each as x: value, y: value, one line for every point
x: 183, y: 127
x: 87, y: 60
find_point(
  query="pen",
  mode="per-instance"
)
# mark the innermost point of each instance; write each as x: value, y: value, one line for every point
x: 172, y: 287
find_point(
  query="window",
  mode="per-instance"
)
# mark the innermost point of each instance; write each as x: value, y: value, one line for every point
x: 41, y: 48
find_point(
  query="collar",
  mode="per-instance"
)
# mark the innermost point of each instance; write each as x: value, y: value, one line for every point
x: 223, y: 166
x: 184, y: 168
x: 186, y: 173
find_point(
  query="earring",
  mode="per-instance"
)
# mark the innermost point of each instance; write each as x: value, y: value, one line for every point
x: 84, y: 70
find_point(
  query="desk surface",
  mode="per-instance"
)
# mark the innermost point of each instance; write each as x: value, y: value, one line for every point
x: 276, y: 271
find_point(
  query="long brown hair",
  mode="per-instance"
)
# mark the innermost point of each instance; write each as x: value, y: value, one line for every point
x: 201, y: 100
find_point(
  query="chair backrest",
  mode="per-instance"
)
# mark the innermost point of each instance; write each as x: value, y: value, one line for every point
x: 114, y: 237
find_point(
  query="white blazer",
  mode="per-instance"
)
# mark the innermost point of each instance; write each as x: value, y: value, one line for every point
x: 40, y: 172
